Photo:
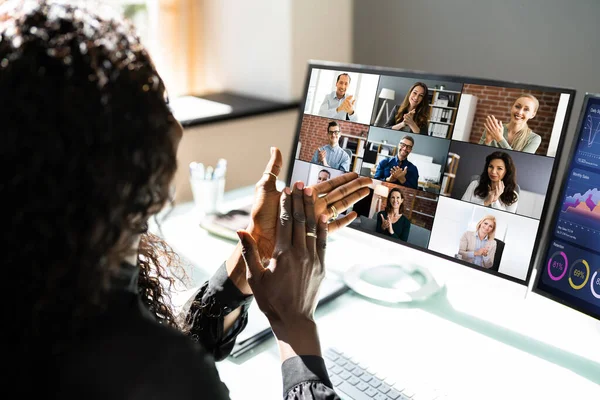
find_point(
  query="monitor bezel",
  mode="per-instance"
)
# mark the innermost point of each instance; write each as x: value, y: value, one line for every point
x: 407, y: 73
x: 553, y: 218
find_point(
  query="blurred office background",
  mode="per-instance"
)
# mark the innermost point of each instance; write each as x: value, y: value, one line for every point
x: 261, y: 47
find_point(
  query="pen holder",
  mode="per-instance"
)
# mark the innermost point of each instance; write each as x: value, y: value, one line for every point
x: 208, y: 194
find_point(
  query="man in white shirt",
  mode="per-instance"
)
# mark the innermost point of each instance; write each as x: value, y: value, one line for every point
x: 332, y: 155
x: 337, y: 104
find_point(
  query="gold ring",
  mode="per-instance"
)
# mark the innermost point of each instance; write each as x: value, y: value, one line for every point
x: 334, y: 211
x: 270, y: 173
x: 310, y: 234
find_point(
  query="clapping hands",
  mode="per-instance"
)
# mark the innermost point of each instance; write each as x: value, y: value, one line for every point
x: 495, y: 191
x: 494, y: 129
x: 322, y: 157
x: 348, y: 105
x: 386, y: 224
x: 408, y: 118
x: 398, y: 174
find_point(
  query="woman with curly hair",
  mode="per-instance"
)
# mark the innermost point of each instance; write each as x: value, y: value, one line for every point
x: 412, y: 115
x: 91, y: 143
x: 497, y: 185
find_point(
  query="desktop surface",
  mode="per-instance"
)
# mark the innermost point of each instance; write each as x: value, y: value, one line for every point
x: 478, y: 339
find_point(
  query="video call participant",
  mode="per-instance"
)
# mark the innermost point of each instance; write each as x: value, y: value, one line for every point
x: 336, y: 104
x: 95, y: 285
x: 391, y: 222
x: 479, y: 247
x: 516, y: 135
x: 323, y: 176
x: 412, y: 114
x: 497, y: 185
x: 332, y: 155
x: 398, y: 169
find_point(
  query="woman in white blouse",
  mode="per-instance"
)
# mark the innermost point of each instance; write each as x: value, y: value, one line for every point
x: 497, y: 185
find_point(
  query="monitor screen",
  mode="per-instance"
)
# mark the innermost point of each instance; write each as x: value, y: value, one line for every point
x: 461, y: 166
x: 569, y: 270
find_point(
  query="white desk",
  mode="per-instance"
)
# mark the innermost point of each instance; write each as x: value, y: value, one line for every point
x: 479, y: 339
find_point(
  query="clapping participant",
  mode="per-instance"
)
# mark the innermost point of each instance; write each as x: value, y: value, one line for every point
x: 391, y: 221
x: 93, y: 144
x: 337, y: 104
x: 398, y: 169
x: 516, y: 135
x: 497, y: 185
x: 331, y: 154
x: 479, y: 247
x: 412, y: 114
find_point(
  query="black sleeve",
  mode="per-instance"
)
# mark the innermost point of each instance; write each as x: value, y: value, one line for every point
x: 378, y: 228
x: 405, y: 229
x: 217, y: 297
x: 306, y: 378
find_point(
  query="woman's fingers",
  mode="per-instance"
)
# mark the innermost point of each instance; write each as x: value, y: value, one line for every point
x: 311, y: 220
x: 348, y: 189
x: 299, y: 228
x: 346, y: 201
x: 331, y: 184
x: 254, y: 268
x: 284, y: 231
x: 321, y: 242
x: 342, y: 222
x: 272, y: 170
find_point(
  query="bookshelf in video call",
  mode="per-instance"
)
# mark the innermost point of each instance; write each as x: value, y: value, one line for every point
x: 442, y: 113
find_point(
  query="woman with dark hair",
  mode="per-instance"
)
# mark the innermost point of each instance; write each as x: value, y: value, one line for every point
x: 391, y: 222
x: 92, y: 142
x: 497, y: 185
x: 413, y: 114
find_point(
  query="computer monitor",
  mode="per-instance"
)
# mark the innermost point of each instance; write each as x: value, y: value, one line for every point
x: 568, y: 268
x: 461, y: 166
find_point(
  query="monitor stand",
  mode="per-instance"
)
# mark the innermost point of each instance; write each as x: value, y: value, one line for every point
x: 392, y: 283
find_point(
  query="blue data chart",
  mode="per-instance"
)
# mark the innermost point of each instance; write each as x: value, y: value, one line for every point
x: 588, y: 149
x: 579, y: 218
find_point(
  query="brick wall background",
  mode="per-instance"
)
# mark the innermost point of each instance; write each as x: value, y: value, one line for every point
x: 313, y: 133
x: 498, y: 102
x: 415, y: 200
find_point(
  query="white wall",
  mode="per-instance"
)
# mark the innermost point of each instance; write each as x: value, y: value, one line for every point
x: 262, y: 47
x: 544, y: 42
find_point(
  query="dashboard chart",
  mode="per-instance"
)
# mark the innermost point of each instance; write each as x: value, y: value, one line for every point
x: 579, y: 219
x: 574, y: 271
x: 588, y: 149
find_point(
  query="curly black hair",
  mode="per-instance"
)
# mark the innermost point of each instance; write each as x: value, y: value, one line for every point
x: 89, y: 150
x: 509, y: 196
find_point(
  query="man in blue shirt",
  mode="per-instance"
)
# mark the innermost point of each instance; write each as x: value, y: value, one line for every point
x: 332, y: 155
x: 337, y: 104
x: 398, y: 169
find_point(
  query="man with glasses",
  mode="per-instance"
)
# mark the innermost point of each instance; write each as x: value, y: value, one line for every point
x: 398, y: 169
x: 336, y: 104
x: 332, y: 155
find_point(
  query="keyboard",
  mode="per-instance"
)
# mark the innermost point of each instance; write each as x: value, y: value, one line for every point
x: 353, y: 380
